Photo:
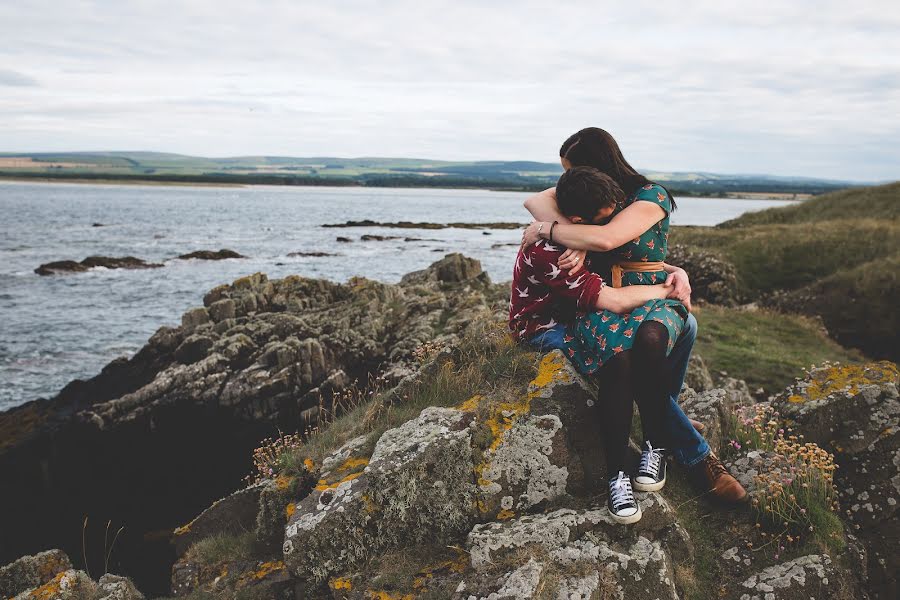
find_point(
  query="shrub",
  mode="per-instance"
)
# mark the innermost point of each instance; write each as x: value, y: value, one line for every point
x: 794, y: 497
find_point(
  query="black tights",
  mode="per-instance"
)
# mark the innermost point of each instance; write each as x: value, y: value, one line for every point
x: 641, y: 375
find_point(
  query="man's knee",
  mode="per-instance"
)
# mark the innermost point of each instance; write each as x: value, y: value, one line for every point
x: 689, y: 332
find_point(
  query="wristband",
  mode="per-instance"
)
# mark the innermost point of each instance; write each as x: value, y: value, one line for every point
x: 540, y: 227
x: 551, y: 231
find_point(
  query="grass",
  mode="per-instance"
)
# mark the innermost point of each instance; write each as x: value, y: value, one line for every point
x: 223, y: 547
x: 486, y: 362
x: 876, y: 202
x: 765, y: 348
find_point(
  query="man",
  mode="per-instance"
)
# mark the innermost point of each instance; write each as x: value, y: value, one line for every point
x: 545, y: 299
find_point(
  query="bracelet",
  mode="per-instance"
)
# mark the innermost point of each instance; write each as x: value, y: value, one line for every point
x: 551, y: 230
x: 540, y: 227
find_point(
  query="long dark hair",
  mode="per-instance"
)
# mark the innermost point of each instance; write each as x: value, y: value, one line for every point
x: 595, y: 147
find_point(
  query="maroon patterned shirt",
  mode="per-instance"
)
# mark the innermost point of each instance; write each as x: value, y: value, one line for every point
x: 544, y: 296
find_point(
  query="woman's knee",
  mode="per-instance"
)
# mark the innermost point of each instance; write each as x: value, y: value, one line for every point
x: 651, y: 339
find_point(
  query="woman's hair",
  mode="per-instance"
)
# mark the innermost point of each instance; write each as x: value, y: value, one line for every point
x: 595, y: 147
x: 583, y: 191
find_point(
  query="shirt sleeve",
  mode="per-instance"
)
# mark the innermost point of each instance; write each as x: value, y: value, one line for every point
x: 583, y: 287
x: 656, y: 194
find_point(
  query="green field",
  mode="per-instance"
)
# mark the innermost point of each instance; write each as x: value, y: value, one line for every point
x: 835, y: 256
x: 365, y: 171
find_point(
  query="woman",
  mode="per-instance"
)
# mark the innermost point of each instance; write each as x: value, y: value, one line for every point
x: 635, y: 239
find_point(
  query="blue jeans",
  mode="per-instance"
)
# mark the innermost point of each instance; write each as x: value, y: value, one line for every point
x: 686, y: 444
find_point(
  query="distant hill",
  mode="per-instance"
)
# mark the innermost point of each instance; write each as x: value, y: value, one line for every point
x: 835, y: 256
x: 364, y: 171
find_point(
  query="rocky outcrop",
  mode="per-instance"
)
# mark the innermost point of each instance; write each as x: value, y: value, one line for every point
x: 49, y: 575
x: 91, y: 262
x: 259, y: 355
x: 410, y: 225
x: 713, y: 279
x: 854, y: 412
x: 211, y: 255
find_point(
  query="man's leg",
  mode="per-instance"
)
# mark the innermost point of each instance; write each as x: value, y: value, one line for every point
x: 687, y: 445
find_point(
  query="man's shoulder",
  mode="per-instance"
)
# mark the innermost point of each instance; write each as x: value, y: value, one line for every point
x: 545, y: 251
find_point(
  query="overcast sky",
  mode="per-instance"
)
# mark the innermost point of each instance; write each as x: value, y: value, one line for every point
x: 789, y: 88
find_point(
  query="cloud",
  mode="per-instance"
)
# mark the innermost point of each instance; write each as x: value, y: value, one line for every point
x: 16, y: 79
x: 787, y: 88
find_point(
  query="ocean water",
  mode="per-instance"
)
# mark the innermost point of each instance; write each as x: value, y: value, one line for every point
x: 58, y: 328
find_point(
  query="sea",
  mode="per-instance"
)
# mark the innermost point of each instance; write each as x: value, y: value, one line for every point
x: 57, y: 328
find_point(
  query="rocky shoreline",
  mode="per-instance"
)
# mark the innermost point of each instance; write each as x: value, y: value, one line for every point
x: 485, y: 498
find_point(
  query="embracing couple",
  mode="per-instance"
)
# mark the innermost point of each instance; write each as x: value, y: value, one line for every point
x: 621, y: 316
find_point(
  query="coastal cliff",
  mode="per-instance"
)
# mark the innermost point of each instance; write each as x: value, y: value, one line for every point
x: 467, y: 469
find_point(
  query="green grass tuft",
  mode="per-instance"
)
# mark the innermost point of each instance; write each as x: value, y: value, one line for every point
x: 765, y: 348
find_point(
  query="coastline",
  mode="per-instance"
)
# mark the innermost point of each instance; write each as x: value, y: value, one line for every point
x: 776, y: 196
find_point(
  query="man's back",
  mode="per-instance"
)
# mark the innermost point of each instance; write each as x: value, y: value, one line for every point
x: 542, y: 295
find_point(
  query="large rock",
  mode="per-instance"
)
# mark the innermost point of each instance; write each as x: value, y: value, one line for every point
x: 417, y: 485
x: 572, y: 553
x: 76, y: 585
x: 810, y: 576
x: 713, y: 279
x: 854, y: 412
x: 32, y: 571
x: 91, y: 262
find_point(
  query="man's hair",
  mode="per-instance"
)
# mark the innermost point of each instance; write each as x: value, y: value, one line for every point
x: 583, y: 191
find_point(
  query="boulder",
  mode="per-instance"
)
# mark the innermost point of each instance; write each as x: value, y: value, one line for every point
x: 32, y: 571
x: 572, y: 552
x: 716, y: 409
x: 107, y: 262
x: 698, y: 377
x: 211, y: 255
x: 810, y: 576
x: 854, y: 412
x: 417, y: 485
x: 713, y: 278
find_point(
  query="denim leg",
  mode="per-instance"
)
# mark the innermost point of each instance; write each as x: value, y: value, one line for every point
x: 686, y: 444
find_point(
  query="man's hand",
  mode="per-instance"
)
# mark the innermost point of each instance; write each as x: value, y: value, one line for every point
x: 572, y: 260
x: 530, y: 235
x: 681, y: 287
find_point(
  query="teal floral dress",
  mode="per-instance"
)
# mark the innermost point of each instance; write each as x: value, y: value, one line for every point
x: 597, y: 336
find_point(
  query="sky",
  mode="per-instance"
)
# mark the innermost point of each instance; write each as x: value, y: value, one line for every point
x: 785, y: 88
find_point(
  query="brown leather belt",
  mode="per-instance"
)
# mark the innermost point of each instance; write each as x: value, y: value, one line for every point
x: 621, y: 268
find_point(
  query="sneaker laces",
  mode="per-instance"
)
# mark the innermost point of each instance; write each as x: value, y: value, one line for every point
x: 650, y: 460
x: 620, y: 491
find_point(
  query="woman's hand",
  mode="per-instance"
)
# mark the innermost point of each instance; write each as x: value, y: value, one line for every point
x: 530, y: 235
x: 681, y: 287
x: 572, y: 260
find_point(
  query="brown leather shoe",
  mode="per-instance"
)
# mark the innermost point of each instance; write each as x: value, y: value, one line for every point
x: 697, y: 425
x: 712, y: 476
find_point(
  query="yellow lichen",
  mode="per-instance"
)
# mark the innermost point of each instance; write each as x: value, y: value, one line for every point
x: 351, y: 463
x: 471, y: 404
x: 505, y: 514
x: 49, y: 590
x: 282, y: 482
x: 382, y: 595
x: 267, y: 568
x: 849, y: 377
x: 290, y: 509
x: 183, y: 529
x: 309, y: 464
x: 504, y: 414
x: 458, y: 564
x: 340, y: 583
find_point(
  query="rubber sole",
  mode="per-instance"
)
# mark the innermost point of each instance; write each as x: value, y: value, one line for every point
x: 626, y: 520
x: 648, y: 487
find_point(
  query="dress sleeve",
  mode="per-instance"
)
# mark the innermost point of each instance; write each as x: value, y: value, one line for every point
x: 656, y: 194
x: 583, y: 287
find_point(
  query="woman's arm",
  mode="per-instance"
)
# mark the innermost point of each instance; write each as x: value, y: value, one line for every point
x: 542, y: 206
x: 626, y: 299
x: 624, y: 227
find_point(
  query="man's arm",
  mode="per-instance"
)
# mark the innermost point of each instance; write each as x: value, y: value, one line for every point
x: 681, y: 284
x: 542, y: 206
x: 625, y: 299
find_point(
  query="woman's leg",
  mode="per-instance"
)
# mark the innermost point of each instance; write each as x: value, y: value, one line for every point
x: 651, y: 377
x: 616, y: 409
